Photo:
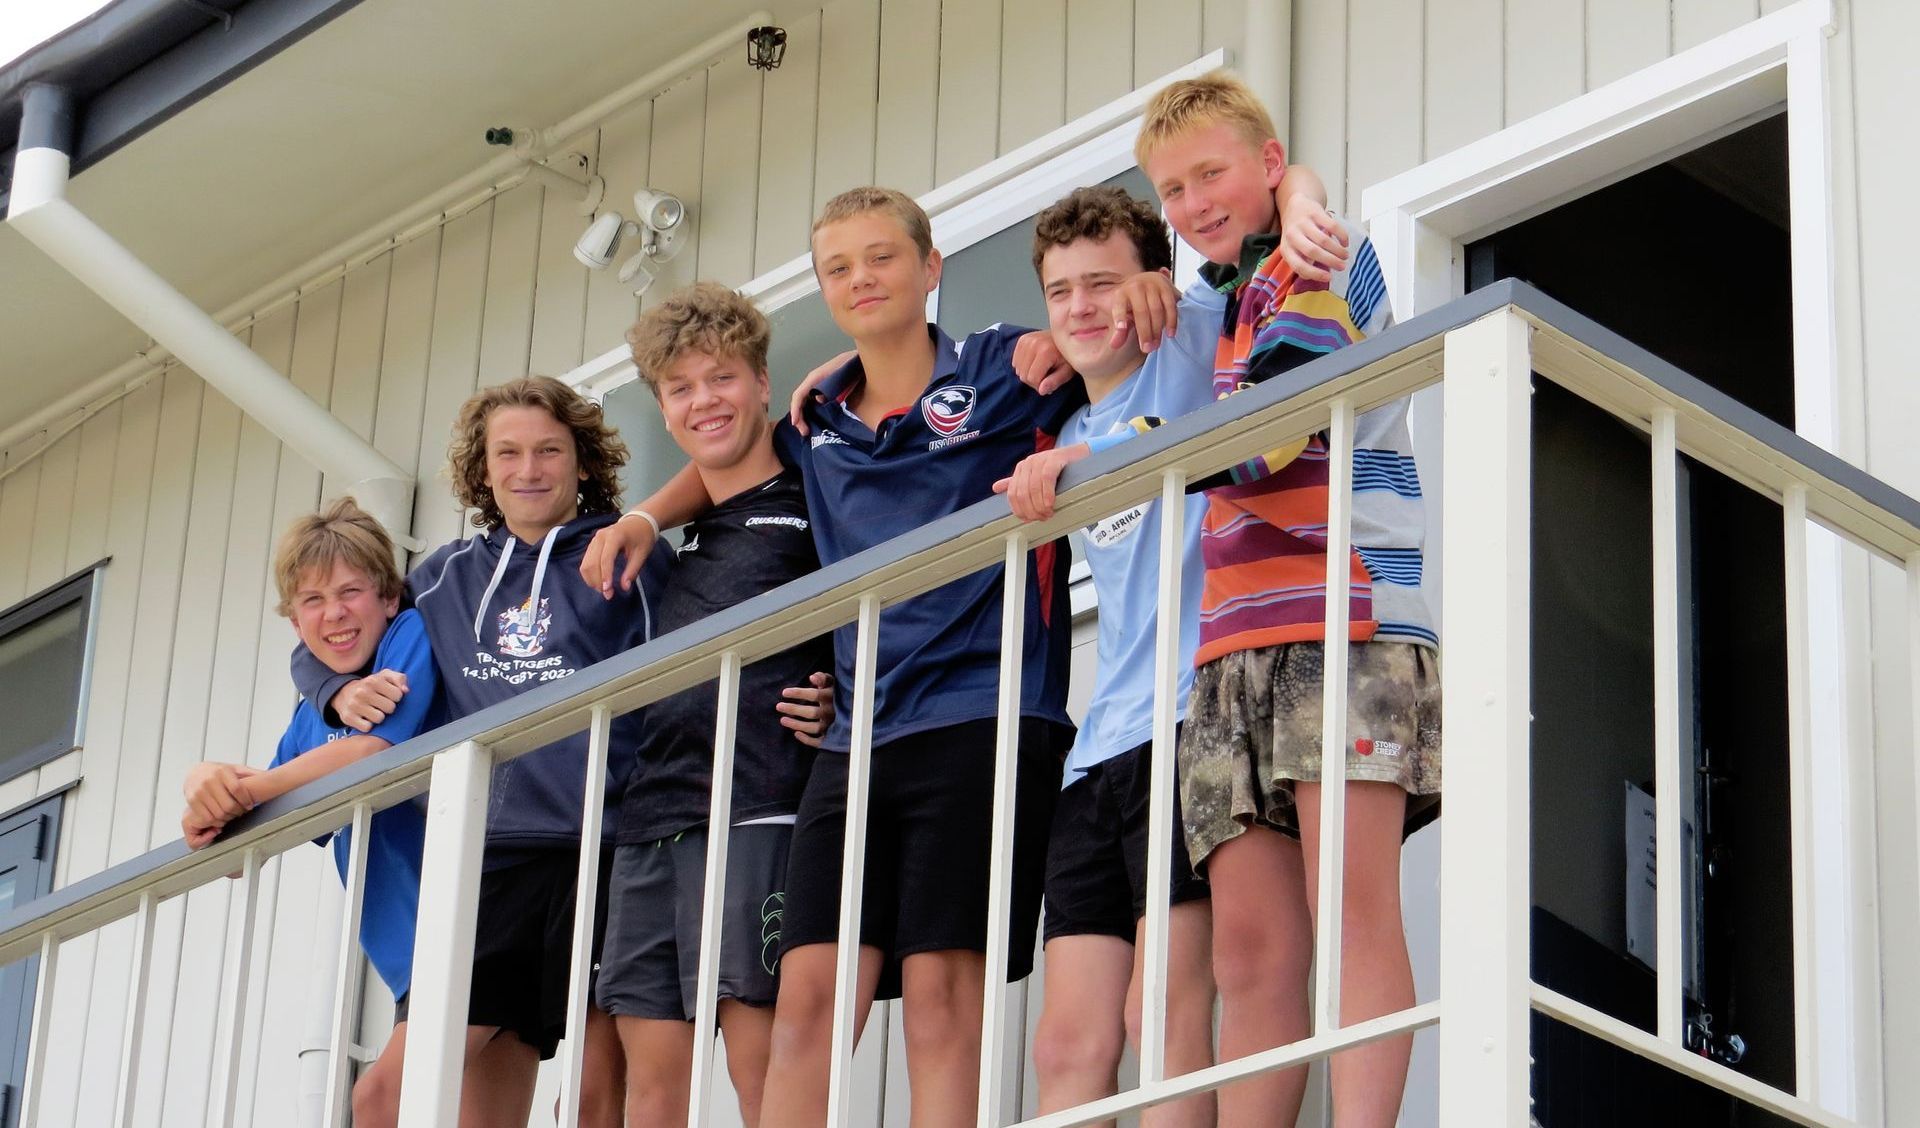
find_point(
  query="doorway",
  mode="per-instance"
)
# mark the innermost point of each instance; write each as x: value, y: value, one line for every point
x: 1689, y: 259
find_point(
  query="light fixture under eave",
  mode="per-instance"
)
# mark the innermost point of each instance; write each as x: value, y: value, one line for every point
x: 662, y: 220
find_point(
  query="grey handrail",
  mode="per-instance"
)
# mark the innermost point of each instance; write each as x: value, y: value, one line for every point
x: 1724, y: 432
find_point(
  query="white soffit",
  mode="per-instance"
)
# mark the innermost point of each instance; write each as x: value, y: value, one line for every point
x: 369, y: 114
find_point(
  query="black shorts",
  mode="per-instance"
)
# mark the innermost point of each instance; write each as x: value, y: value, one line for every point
x: 1097, y: 858
x: 929, y: 838
x: 650, y: 967
x: 523, y: 946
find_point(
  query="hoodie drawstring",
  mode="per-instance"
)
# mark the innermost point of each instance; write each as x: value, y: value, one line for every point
x: 500, y: 570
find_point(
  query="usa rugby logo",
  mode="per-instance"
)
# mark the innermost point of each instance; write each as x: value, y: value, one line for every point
x: 946, y: 410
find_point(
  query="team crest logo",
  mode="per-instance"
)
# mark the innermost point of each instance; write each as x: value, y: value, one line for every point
x: 946, y: 410
x: 523, y: 631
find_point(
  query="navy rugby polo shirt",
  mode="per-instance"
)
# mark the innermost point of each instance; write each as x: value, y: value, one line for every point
x: 939, y: 656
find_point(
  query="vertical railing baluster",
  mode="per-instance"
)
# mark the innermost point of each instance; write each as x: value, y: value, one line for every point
x: 1333, y: 720
x: 1485, y: 852
x: 346, y: 972
x: 123, y: 1103
x: 1163, y: 789
x: 853, y: 866
x: 1913, y: 691
x: 714, y: 894
x: 449, y: 903
x: 586, y: 895
x: 993, y: 1012
x: 1669, y: 965
x: 234, y: 1005
x: 38, y: 1041
x: 1800, y: 788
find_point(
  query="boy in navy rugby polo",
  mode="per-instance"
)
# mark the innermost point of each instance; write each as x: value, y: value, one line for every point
x: 918, y: 426
x: 703, y: 351
x: 339, y: 586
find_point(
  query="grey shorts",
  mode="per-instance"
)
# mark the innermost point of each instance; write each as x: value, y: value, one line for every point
x: 1253, y: 731
x: 650, y: 965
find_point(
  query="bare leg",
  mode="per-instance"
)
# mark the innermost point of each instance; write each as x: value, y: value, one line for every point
x: 376, y: 1096
x: 749, y: 1034
x: 941, y: 997
x: 800, y: 1052
x: 1262, y: 950
x: 659, y: 1055
x: 1189, y: 1043
x: 1077, y: 1047
x: 1376, y: 977
x: 603, y: 1073
x: 496, y: 1090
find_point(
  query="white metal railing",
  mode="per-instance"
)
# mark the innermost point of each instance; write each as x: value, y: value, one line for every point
x: 1488, y: 347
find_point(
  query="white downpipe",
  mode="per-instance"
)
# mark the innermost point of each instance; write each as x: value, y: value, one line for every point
x: 1267, y: 61
x: 316, y: 1028
x: 40, y: 211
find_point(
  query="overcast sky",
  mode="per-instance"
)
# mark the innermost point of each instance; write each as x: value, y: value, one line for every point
x: 25, y: 24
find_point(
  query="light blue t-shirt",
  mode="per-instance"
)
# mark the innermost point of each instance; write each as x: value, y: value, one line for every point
x: 1124, y: 550
x: 397, y: 834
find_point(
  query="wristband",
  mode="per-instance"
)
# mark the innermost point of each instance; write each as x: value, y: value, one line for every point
x: 644, y: 516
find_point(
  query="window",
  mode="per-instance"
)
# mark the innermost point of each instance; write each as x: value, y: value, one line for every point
x: 27, y: 842
x: 45, y: 651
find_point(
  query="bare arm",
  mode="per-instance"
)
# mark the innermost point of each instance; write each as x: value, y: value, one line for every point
x: 683, y: 498
x: 311, y: 765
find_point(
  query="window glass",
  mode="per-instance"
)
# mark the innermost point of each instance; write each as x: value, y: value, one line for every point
x: 27, y: 842
x: 43, y: 652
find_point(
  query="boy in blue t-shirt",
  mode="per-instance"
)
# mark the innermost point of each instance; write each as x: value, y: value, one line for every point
x: 338, y: 584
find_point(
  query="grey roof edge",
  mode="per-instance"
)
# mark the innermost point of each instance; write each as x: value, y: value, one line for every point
x: 135, y: 63
x: 1453, y: 315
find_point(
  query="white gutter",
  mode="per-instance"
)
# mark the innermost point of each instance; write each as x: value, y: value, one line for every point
x: 458, y: 197
x: 40, y: 211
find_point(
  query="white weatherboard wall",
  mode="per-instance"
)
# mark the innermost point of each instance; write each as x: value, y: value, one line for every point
x: 186, y: 495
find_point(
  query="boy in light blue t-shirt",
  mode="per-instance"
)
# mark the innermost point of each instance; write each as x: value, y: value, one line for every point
x: 338, y: 584
x: 1085, y: 248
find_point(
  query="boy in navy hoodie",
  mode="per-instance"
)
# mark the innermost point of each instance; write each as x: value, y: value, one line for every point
x: 703, y: 351
x: 506, y: 611
x: 339, y: 586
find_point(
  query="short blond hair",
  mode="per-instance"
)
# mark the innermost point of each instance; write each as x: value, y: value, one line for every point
x: 1218, y: 97
x: 705, y: 317
x: 892, y: 202
x: 342, y: 533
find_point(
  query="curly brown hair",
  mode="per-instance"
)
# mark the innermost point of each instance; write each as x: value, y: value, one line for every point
x: 597, y: 446
x: 1096, y: 213
x: 705, y: 317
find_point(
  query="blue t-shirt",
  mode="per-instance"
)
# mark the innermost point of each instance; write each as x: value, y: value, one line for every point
x: 939, y: 652
x: 392, y: 897
x: 1124, y: 550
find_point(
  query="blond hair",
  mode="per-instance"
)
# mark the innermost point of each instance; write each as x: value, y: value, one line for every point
x: 596, y: 447
x: 341, y: 533
x: 893, y: 203
x: 1217, y: 97
x: 705, y: 317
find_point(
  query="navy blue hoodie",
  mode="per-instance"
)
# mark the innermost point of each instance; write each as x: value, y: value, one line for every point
x: 504, y: 616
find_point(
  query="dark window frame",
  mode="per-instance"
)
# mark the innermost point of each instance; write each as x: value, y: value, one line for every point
x: 83, y: 588
x: 18, y: 982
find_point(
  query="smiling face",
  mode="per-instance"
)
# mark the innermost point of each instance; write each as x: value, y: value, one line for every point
x: 1080, y: 280
x: 715, y: 407
x: 533, y: 470
x: 340, y: 616
x: 872, y: 276
x: 1217, y: 187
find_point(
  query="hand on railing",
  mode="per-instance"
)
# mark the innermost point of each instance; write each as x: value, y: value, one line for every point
x: 800, y: 394
x: 1030, y: 489
x: 216, y: 795
x: 365, y: 702
x: 808, y: 709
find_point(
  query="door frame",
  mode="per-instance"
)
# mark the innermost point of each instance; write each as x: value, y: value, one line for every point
x: 1421, y: 222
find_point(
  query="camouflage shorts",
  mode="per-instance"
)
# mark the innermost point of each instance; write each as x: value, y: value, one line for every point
x: 1253, y: 728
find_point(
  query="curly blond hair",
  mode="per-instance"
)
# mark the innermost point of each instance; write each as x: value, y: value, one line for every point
x: 1218, y: 97
x: 597, y: 446
x: 341, y: 532
x: 705, y: 317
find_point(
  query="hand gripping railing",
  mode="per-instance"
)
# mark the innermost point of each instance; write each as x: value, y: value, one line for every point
x: 1488, y: 345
